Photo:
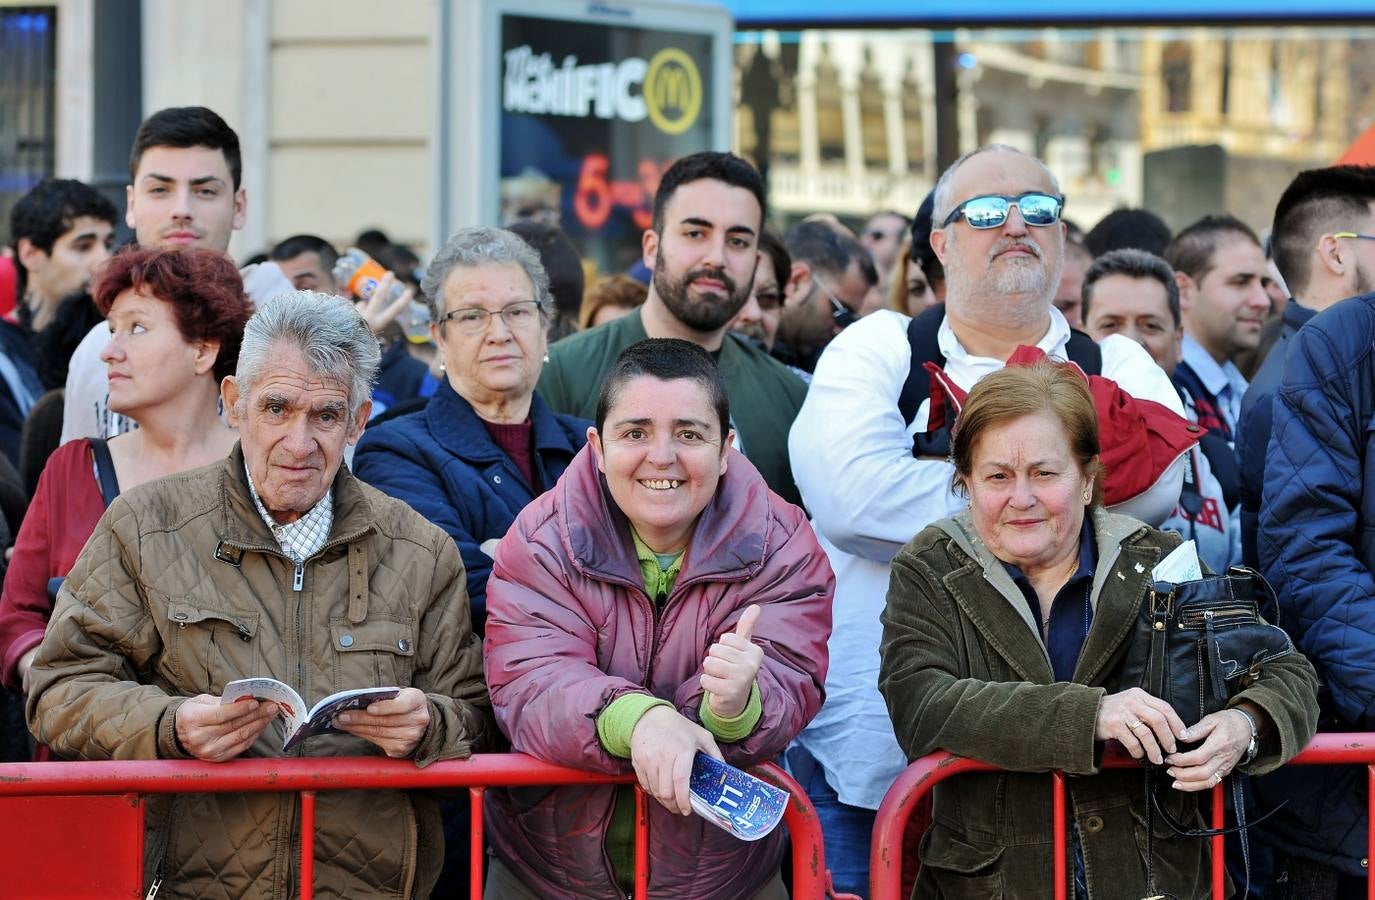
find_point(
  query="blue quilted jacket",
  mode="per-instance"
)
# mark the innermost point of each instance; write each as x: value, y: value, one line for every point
x: 442, y: 461
x: 1317, y: 548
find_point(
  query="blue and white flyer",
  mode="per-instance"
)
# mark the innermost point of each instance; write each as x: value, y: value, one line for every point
x: 734, y: 800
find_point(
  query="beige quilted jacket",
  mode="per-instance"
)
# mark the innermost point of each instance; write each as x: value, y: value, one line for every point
x: 181, y: 589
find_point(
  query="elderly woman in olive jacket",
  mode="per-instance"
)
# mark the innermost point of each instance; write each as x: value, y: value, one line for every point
x: 965, y: 668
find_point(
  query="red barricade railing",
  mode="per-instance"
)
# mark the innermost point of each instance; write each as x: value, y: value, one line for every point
x: 119, y: 785
x: 885, y: 860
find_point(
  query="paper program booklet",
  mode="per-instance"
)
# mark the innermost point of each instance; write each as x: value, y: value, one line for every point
x: 747, y: 807
x: 300, y: 723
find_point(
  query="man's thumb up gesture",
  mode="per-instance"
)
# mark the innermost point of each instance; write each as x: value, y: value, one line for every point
x: 730, y: 666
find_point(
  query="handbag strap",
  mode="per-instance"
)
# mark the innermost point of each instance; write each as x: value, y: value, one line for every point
x: 105, y: 470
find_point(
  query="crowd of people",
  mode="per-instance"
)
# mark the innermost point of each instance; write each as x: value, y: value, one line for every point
x: 831, y: 498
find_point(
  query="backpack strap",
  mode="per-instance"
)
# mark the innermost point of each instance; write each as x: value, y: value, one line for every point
x: 105, y: 470
x: 1084, y: 353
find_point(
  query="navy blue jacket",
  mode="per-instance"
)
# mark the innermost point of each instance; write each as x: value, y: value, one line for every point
x: 1255, y: 424
x: 442, y: 461
x: 1317, y: 548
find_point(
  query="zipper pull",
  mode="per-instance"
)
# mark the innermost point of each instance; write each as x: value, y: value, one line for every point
x: 300, y: 579
x: 244, y: 633
x: 153, y: 891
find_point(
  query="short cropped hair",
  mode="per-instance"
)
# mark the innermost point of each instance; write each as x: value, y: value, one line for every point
x: 481, y: 246
x: 828, y: 250
x: 709, y: 164
x: 1133, y: 264
x: 202, y: 287
x: 1317, y: 202
x: 297, y: 244
x: 1127, y: 228
x: 1192, y: 250
x: 1016, y: 391
x: 330, y: 333
x: 188, y: 126
x: 667, y: 359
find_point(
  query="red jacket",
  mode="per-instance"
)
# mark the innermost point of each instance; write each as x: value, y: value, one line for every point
x: 570, y: 628
x: 65, y: 509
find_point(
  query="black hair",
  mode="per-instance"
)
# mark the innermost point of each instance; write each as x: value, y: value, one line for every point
x: 48, y: 211
x: 1137, y: 229
x: 1192, y: 250
x: 724, y: 167
x: 826, y: 249
x: 1317, y: 202
x: 561, y: 262
x: 920, y: 251
x: 297, y: 244
x: 1133, y: 264
x: 772, y: 246
x: 667, y: 359
x: 188, y: 126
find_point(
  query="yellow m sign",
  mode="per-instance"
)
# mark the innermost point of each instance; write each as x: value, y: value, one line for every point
x: 673, y: 91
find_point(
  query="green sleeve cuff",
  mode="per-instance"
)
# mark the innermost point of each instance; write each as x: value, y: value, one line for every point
x: 738, y: 727
x: 617, y: 722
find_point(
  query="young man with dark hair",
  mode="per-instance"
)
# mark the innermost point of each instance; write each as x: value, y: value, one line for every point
x: 1126, y: 228
x: 61, y: 231
x: 1218, y: 264
x: 1315, y: 247
x: 307, y: 261
x: 702, y: 251
x: 830, y: 276
x: 185, y: 190
x: 1308, y: 417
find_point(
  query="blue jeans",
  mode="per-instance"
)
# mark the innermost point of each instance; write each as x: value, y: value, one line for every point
x: 847, y: 830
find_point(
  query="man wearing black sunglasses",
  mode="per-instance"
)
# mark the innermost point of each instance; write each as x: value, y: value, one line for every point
x: 873, y: 474
x: 830, y: 276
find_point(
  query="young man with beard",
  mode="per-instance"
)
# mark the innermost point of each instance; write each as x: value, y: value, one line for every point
x: 702, y: 249
x: 872, y: 479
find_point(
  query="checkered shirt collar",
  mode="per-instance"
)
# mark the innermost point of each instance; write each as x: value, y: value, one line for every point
x: 303, y: 538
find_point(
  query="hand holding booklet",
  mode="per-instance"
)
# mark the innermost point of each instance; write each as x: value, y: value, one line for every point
x: 747, y: 807
x: 300, y: 723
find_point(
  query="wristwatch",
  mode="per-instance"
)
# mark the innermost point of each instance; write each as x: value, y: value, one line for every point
x: 1254, y: 746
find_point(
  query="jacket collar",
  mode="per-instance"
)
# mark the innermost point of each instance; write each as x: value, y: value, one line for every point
x: 244, y: 528
x: 730, y: 541
x: 1296, y: 315
x: 1121, y: 572
x: 459, y: 430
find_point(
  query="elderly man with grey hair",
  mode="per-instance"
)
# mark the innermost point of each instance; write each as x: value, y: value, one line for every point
x: 876, y: 482
x: 486, y: 444
x: 279, y: 563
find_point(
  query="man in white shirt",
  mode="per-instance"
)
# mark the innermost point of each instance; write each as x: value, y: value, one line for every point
x: 869, y: 486
x: 186, y: 191
x: 1219, y: 266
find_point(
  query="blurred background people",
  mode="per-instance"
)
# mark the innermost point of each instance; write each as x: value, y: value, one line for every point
x: 608, y: 298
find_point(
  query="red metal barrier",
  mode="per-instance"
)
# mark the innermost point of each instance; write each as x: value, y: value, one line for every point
x: 885, y: 860
x: 97, y: 781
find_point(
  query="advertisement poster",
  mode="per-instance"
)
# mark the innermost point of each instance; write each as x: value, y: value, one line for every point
x: 591, y: 114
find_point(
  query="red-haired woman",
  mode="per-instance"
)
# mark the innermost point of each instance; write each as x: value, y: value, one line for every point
x: 176, y: 320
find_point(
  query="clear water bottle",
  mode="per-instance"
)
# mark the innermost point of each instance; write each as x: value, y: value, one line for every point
x: 359, y: 274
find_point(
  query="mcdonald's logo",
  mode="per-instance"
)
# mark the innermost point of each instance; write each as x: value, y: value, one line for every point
x: 673, y: 91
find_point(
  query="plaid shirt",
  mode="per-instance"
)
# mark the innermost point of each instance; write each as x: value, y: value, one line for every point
x: 303, y: 538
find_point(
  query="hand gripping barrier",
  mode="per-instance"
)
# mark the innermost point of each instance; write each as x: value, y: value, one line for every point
x: 75, y: 829
x: 885, y: 859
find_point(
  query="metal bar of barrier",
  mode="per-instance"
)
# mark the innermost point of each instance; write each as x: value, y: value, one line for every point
x: 885, y: 859
x: 1219, y: 843
x: 308, y: 776
x: 307, y: 845
x: 477, y: 823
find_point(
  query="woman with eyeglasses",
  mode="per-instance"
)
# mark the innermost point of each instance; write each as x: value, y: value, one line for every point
x: 486, y: 444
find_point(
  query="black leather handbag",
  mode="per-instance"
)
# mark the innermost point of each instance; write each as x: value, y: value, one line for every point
x: 1198, y: 643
